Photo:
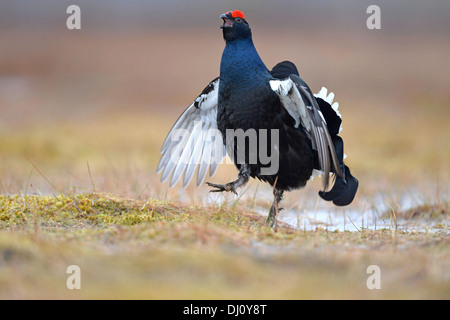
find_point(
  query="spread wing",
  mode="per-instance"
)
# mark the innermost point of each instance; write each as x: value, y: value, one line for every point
x: 300, y: 103
x: 194, y: 141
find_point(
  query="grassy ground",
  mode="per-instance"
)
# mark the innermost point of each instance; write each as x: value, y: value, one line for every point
x: 152, y: 249
x: 79, y: 144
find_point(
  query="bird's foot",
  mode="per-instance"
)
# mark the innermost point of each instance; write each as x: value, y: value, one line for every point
x: 243, y: 177
x: 223, y: 187
x: 274, y: 209
x: 271, y: 219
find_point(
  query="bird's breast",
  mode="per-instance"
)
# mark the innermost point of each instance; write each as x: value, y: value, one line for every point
x: 247, y: 107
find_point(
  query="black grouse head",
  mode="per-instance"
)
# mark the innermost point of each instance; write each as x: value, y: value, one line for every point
x: 235, y: 26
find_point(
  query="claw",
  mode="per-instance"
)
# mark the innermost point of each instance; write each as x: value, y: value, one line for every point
x: 222, y: 187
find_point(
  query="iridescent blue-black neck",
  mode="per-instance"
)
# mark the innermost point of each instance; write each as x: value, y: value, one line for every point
x: 241, y: 65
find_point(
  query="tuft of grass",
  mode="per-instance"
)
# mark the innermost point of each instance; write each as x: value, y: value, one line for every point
x: 438, y: 211
x: 429, y: 211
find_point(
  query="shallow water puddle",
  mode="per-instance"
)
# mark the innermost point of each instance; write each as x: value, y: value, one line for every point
x: 364, y: 218
x: 367, y: 213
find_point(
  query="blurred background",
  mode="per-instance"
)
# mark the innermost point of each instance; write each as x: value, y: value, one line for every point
x: 89, y: 109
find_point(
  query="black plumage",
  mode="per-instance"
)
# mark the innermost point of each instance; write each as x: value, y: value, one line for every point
x: 250, y: 98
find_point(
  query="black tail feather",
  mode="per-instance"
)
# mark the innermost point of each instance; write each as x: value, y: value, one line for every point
x: 344, y: 188
x: 343, y: 191
x: 331, y: 117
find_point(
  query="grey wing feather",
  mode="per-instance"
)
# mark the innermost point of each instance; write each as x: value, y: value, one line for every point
x: 298, y: 100
x: 194, y: 141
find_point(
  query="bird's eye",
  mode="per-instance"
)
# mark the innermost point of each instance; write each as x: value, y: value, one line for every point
x: 238, y: 20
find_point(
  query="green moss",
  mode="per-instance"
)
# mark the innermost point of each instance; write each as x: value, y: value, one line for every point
x: 104, y: 210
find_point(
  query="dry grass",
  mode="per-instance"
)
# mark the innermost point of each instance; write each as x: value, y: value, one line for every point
x: 160, y: 250
x: 81, y: 127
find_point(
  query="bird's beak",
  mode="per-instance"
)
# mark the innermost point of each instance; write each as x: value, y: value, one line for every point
x: 227, y: 23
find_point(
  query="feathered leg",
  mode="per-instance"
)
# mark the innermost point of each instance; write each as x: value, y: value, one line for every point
x: 243, y: 177
x: 274, y: 209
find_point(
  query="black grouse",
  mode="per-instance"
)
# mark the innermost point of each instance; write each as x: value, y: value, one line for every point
x: 269, y: 123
